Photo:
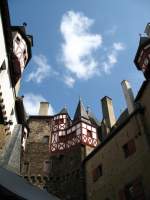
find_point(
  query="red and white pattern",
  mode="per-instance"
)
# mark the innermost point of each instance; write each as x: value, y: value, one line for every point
x: 20, y: 50
x: 64, y: 137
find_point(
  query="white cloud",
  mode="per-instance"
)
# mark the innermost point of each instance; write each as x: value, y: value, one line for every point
x: 42, y: 69
x: 118, y: 46
x: 112, y: 57
x: 79, y: 45
x: 32, y: 103
x: 69, y: 81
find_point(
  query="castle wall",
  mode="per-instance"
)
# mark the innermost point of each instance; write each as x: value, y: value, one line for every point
x: 118, y: 171
x: 36, y: 152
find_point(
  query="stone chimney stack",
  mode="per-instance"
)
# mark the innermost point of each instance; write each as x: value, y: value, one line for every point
x: 43, y: 108
x: 129, y: 97
x: 108, y: 111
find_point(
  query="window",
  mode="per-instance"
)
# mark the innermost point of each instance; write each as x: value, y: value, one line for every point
x: 24, y: 52
x: 89, y: 133
x: 26, y: 167
x: 25, y: 59
x: 1, y: 117
x: 47, y: 166
x: 17, y: 40
x: 132, y: 191
x: 71, y: 135
x: 59, y: 121
x: 3, y: 66
x: 97, y: 173
x: 61, y: 157
x: 62, y: 138
x: 129, y: 148
x: 46, y: 139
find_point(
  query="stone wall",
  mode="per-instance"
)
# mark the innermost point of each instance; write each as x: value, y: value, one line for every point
x: 66, y: 178
x: 2, y: 138
x: 36, y: 151
x: 119, y: 171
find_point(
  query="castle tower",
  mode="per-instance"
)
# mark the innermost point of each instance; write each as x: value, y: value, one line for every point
x: 71, y: 141
x: 66, y: 136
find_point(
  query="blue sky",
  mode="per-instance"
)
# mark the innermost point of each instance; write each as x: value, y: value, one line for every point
x: 81, y: 48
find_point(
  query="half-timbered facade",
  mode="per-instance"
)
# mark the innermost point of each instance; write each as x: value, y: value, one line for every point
x: 71, y: 141
x: 67, y: 134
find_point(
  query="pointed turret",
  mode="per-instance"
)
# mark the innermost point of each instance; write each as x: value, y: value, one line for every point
x: 81, y: 113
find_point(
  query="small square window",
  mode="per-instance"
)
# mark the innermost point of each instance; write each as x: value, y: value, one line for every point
x: 89, y: 133
x: 97, y: 173
x: 129, y: 148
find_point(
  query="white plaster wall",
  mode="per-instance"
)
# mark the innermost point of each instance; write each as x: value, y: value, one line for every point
x: 7, y: 90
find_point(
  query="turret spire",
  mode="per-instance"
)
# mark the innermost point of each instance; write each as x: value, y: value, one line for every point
x: 81, y: 112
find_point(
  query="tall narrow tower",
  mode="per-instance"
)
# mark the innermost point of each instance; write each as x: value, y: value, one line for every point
x: 71, y: 141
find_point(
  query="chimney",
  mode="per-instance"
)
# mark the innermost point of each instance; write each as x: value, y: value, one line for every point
x: 108, y: 111
x: 43, y: 108
x: 127, y: 90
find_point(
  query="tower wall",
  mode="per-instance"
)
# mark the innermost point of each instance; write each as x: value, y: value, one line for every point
x: 37, y: 151
x: 66, y: 177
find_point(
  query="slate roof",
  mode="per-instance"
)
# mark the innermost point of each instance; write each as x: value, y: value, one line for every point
x: 81, y: 112
x: 93, y: 119
x: 63, y: 111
